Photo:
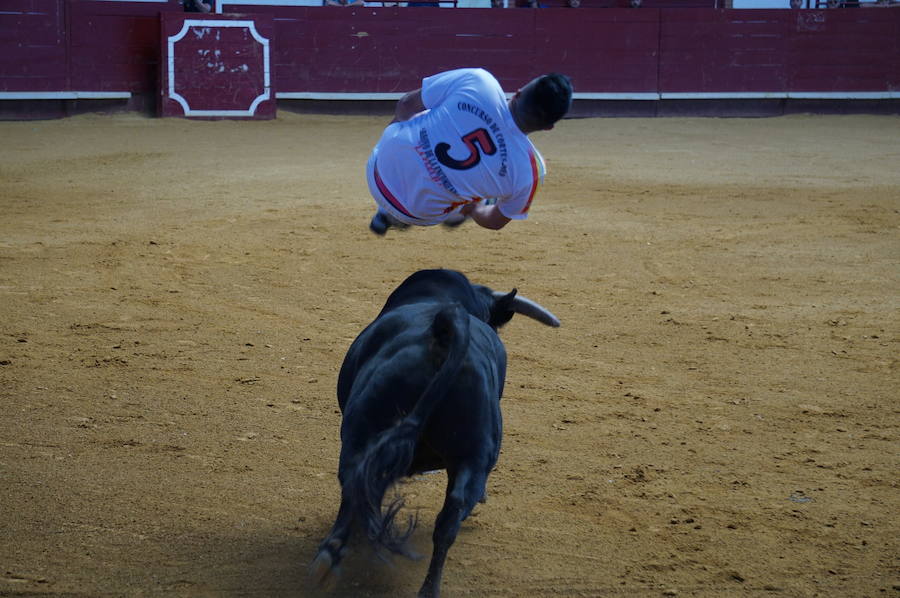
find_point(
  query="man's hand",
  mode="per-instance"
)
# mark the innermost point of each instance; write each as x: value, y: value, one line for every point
x: 485, y: 216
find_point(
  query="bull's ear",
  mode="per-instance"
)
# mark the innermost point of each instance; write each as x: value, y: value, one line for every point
x: 502, y: 309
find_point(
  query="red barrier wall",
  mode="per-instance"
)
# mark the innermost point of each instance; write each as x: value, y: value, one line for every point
x: 390, y: 49
x: 604, y: 51
x: 90, y: 45
x: 33, y: 46
x: 724, y: 51
x: 779, y: 50
x: 844, y: 50
x: 114, y: 46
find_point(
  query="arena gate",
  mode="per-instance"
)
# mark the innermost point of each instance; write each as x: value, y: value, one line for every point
x: 57, y: 56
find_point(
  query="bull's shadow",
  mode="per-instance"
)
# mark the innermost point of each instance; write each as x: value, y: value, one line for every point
x: 271, y: 563
x: 420, y: 390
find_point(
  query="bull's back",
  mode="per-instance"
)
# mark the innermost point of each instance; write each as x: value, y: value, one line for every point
x: 389, y: 366
x: 468, y: 423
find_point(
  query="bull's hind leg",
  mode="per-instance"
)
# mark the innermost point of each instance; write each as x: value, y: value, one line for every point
x: 324, y: 568
x: 465, y: 487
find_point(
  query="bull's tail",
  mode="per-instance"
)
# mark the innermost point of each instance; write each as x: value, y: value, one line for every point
x: 389, y: 457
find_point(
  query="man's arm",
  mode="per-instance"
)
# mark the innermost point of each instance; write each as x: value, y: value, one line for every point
x: 408, y: 106
x: 485, y: 216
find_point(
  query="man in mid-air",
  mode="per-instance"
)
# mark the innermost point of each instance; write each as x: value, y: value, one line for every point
x: 458, y: 149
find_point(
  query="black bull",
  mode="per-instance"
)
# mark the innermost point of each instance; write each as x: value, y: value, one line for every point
x: 420, y: 390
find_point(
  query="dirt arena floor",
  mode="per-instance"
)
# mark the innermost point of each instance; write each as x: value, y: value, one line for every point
x: 717, y: 416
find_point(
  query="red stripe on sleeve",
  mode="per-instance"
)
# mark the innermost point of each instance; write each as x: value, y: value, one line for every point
x: 536, y: 180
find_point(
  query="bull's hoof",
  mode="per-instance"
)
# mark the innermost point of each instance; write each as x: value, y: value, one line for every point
x: 323, y: 572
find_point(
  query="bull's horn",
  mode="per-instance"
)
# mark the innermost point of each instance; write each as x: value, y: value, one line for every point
x: 527, y: 307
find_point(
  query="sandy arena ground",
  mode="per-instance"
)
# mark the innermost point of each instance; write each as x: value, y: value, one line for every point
x: 717, y: 416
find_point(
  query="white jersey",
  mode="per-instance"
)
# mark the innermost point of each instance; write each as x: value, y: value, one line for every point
x: 465, y: 147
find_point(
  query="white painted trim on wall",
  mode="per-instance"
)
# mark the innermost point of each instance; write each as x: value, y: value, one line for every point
x: 327, y: 95
x: 844, y: 95
x: 616, y: 96
x: 750, y: 95
x: 220, y: 4
x: 267, y: 84
x: 723, y: 95
x: 805, y: 95
x: 64, y: 95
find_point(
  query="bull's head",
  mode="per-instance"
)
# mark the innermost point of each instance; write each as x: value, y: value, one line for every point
x: 505, y: 305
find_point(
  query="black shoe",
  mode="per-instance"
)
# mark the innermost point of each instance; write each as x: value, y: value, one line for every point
x: 379, y: 224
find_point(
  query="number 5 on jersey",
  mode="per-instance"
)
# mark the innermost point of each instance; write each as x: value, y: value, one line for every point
x: 477, y: 141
